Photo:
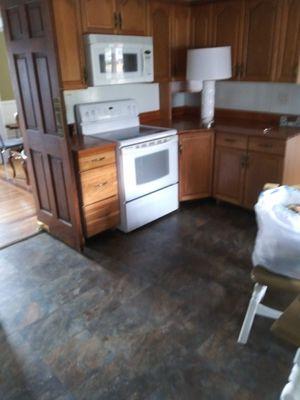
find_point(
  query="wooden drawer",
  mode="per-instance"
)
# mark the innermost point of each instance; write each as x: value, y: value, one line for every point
x: 267, y: 145
x: 95, y: 160
x: 231, y: 140
x: 100, y: 216
x: 98, y: 184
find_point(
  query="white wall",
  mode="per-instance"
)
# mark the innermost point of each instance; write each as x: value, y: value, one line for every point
x: 145, y: 94
x: 7, y: 110
x: 281, y: 98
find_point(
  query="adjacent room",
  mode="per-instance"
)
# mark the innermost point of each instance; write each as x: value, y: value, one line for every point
x: 150, y: 200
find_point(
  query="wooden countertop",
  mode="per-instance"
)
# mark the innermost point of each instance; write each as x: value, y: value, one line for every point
x: 89, y: 143
x: 250, y: 128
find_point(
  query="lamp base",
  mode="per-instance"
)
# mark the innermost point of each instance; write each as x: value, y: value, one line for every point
x: 208, y: 103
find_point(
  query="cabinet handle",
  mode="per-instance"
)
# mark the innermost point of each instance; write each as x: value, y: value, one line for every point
x: 98, y: 159
x: 116, y: 20
x: 266, y: 145
x: 180, y: 148
x: 230, y: 140
x: 244, y: 161
x: 266, y: 131
x: 100, y: 185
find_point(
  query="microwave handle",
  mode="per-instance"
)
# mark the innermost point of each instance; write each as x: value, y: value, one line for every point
x: 143, y: 61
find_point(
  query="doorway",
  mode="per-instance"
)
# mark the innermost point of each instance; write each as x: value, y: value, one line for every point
x: 17, y: 209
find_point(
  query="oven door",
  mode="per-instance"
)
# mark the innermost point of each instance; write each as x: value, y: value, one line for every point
x: 149, y: 166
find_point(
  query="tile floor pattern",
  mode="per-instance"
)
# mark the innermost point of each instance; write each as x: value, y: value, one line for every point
x: 154, y: 316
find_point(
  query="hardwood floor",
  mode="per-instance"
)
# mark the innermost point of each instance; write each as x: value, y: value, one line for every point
x: 17, y: 210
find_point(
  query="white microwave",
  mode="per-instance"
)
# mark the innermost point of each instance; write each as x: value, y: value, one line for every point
x: 115, y: 59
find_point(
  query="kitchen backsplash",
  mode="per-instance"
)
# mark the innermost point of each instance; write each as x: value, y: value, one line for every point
x: 281, y: 98
x: 145, y: 94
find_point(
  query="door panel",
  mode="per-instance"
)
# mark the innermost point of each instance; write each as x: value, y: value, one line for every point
x: 99, y: 16
x: 227, y: 24
x: 133, y: 19
x: 262, y: 168
x: 289, y: 47
x: 30, y: 43
x: 261, y: 40
x: 201, y: 25
x: 180, y: 40
x: 229, y: 174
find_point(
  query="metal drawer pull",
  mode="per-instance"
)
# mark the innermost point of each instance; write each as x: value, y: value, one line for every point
x: 266, y: 131
x: 99, y: 185
x: 98, y: 159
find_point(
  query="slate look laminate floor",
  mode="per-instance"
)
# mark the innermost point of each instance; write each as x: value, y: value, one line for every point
x: 154, y: 317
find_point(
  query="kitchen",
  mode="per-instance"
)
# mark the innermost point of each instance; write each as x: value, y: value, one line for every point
x: 94, y: 81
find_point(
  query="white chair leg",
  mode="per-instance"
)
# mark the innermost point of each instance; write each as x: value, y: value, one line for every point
x: 291, y: 390
x: 258, y: 294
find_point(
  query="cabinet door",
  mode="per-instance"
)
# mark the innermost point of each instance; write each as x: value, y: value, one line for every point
x: 99, y: 16
x: 289, y: 46
x: 229, y: 174
x: 196, y: 164
x: 160, y: 30
x: 180, y: 40
x: 262, y: 168
x: 260, y: 43
x: 201, y: 25
x: 227, y: 20
x: 132, y: 17
x: 69, y: 43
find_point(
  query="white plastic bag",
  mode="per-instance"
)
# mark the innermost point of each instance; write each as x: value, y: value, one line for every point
x: 277, y: 246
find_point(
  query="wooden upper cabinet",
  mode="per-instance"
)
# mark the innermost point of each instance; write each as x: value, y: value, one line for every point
x: 180, y: 40
x: 227, y: 19
x: 289, y: 45
x: 99, y: 16
x: 160, y: 30
x: 69, y: 43
x: 196, y: 164
x: 132, y: 17
x: 201, y: 26
x: 260, y: 44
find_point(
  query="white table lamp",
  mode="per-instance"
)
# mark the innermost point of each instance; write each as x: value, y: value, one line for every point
x: 204, y: 67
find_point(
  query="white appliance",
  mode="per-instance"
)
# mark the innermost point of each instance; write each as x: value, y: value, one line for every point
x: 114, y: 59
x: 147, y: 159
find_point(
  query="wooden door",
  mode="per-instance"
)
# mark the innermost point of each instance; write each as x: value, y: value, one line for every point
x: 196, y: 165
x: 289, y: 45
x: 227, y: 18
x: 160, y: 30
x: 69, y: 42
x: 31, y: 47
x: 229, y: 174
x: 201, y: 25
x: 132, y: 17
x: 260, y: 44
x: 99, y: 16
x: 262, y: 168
x: 180, y: 40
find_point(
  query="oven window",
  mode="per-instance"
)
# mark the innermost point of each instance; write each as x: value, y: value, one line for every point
x: 152, y: 167
x: 130, y: 62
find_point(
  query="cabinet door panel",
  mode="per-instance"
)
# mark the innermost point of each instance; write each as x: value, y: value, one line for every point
x: 201, y: 26
x: 160, y: 30
x: 260, y: 40
x: 98, y: 16
x: 180, y: 40
x: 227, y: 24
x: 69, y: 43
x: 196, y: 163
x: 261, y: 169
x: 229, y: 174
x: 133, y: 17
x: 289, y: 47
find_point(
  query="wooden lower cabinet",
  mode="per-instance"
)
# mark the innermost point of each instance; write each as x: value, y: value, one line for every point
x: 229, y: 174
x: 196, y: 164
x: 262, y: 168
x: 243, y: 165
x: 98, y: 183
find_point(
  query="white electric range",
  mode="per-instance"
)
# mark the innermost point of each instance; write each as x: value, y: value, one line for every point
x: 147, y: 159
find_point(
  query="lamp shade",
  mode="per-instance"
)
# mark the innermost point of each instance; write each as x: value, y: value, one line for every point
x: 209, y: 63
